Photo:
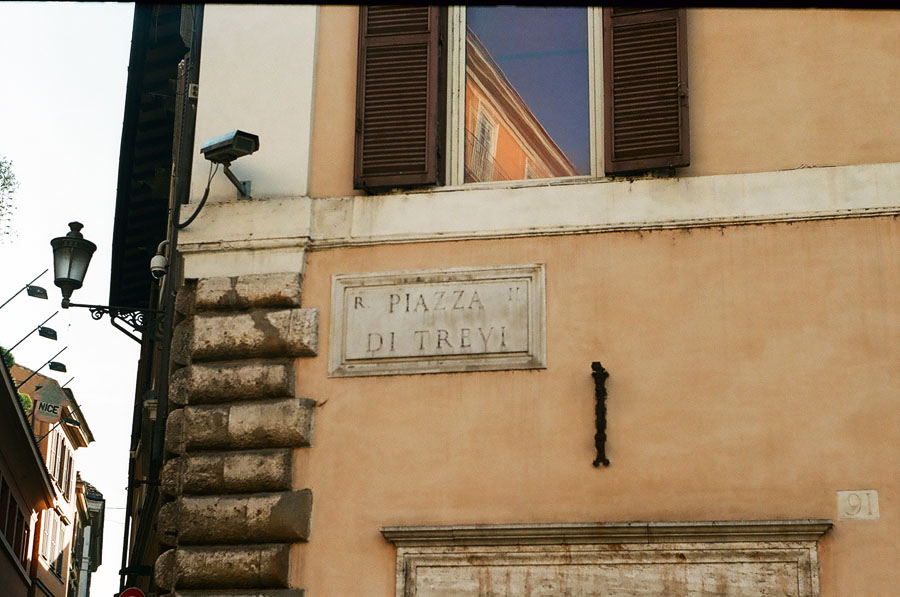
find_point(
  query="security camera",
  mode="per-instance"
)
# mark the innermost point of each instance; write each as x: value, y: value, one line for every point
x: 159, y: 265
x: 229, y: 147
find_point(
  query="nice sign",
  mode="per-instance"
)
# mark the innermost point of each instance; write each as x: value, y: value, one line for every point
x: 49, y: 403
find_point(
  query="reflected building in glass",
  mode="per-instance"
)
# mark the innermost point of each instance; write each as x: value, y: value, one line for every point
x: 508, y: 134
x: 504, y: 139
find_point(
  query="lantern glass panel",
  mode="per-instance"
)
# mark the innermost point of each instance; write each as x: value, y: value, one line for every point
x: 81, y: 258
x: 62, y: 262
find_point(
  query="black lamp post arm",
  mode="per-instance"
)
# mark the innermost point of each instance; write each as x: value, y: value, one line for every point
x: 140, y: 320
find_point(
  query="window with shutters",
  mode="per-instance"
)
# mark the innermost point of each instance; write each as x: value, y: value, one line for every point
x: 52, y: 461
x: 10, y: 515
x: 4, y: 504
x: 57, y: 564
x: 54, y: 538
x: 60, y: 457
x: 63, y: 473
x: 645, y: 80
x: 480, y: 149
x: 24, y: 552
x: 13, y: 523
x: 398, y: 91
x: 45, y: 533
x: 62, y: 465
x: 53, y: 541
x: 19, y: 536
x: 571, y: 91
x: 69, y: 477
x: 66, y: 475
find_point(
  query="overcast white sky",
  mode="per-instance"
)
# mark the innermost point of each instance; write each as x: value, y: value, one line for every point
x: 62, y: 91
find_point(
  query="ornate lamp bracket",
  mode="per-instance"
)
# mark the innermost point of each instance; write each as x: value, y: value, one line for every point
x: 71, y: 258
x: 141, y: 321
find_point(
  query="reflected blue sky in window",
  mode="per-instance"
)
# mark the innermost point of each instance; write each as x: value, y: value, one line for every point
x: 544, y: 54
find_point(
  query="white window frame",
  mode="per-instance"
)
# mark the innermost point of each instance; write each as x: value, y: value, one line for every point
x: 530, y: 172
x: 456, y: 95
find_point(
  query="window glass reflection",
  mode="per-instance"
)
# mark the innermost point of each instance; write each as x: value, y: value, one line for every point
x: 526, y: 112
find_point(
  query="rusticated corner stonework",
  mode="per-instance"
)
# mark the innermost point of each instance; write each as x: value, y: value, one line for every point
x: 230, y: 513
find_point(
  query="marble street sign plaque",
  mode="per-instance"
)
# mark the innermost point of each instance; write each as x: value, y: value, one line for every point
x: 472, y: 319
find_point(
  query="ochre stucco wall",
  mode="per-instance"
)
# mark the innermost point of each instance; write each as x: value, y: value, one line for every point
x: 779, y: 89
x: 769, y: 90
x: 334, y: 103
x: 753, y: 373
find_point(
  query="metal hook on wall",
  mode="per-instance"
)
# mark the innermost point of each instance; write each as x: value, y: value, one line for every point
x: 600, y: 374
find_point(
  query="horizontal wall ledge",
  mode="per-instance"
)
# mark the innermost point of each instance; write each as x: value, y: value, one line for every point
x: 269, y: 236
x: 603, y: 205
x: 608, y: 532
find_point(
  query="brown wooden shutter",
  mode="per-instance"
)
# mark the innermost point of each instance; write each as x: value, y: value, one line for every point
x: 645, y: 89
x: 398, y: 101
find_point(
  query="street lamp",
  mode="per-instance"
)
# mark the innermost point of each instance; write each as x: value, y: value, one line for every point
x: 71, y: 256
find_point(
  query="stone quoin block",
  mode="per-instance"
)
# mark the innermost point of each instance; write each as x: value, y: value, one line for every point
x: 184, y: 299
x: 215, y: 293
x: 228, y: 472
x: 245, y: 593
x: 248, y: 518
x: 249, y: 291
x: 180, y: 349
x: 257, y: 333
x: 228, y: 382
x: 279, y: 423
x: 225, y: 567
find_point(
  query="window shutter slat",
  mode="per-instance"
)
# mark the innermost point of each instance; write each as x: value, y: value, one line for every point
x: 645, y: 89
x: 397, y: 104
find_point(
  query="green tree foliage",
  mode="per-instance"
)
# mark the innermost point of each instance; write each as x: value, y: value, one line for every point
x: 26, y: 401
x: 24, y: 398
x: 7, y: 358
x: 8, y: 186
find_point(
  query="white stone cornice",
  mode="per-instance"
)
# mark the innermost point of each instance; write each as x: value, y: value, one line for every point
x: 590, y: 206
x: 285, y: 227
x: 608, y: 532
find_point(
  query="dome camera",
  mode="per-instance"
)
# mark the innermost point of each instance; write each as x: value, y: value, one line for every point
x: 159, y: 265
